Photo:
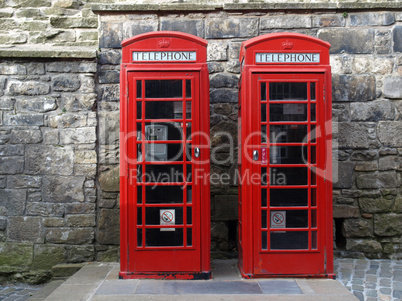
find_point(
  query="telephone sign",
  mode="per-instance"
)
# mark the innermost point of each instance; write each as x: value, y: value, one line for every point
x: 285, y: 220
x: 164, y: 106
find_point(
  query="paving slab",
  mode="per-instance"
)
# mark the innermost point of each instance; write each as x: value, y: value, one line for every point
x: 99, y: 282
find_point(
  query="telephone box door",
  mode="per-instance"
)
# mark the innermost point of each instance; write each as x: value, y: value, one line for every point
x: 289, y: 199
x: 166, y: 208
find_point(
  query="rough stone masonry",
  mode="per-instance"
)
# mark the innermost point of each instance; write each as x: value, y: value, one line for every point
x: 59, y: 120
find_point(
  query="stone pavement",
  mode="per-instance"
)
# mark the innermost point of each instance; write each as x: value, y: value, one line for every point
x: 371, y: 280
x: 18, y: 292
x: 368, y: 280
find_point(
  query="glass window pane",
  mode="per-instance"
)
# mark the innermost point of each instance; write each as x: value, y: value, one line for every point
x: 153, y: 215
x: 139, y: 194
x: 313, y: 154
x: 263, y: 197
x: 314, y: 218
x: 313, y: 133
x: 287, y: 155
x: 264, y: 241
x: 139, y: 215
x: 312, y: 112
x: 189, y: 237
x: 263, y: 91
x: 188, y: 88
x: 263, y: 112
x: 139, y: 109
x: 164, y: 194
x: 313, y: 197
x: 287, y: 91
x: 189, y: 173
x: 288, y: 112
x: 163, y: 88
x: 264, y: 219
x: 163, y: 152
x: 139, y: 237
x: 263, y: 133
x: 312, y: 91
x: 164, y: 109
x: 288, y: 133
x: 163, y: 131
x: 188, y: 130
x: 314, y: 240
x: 139, y: 89
x: 288, y: 176
x: 162, y: 173
x: 189, y: 194
x: 264, y: 176
x: 288, y: 240
x: 189, y: 215
x: 158, y: 238
x: 288, y: 197
x: 139, y: 173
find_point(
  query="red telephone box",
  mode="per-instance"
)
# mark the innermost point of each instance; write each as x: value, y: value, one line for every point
x: 285, y: 156
x: 164, y: 111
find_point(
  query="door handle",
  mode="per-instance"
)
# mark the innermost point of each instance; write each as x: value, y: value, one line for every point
x: 255, y: 155
x: 196, y: 152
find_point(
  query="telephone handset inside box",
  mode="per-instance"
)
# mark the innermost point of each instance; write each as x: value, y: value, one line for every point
x: 155, y: 151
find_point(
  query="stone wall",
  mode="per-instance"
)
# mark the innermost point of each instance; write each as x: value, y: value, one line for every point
x: 367, y: 91
x: 59, y: 121
x: 47, y: 165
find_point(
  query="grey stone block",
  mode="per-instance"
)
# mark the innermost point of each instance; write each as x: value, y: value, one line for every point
x: 46, y: 159
x: 62, y: 189
x: 328, y: 21
x: 68, y: 120
x: 39, y: 104
x: 7, y: 103
x: 109, y: 77
x: 133, y: 28
x: 110, y: 57
x: 388, y: 224
x: 377, y: 180
x: 66, y: 83
x: 108, y: 226
x: 372, y: 19
x: 78, y: 135
x: 45, y: 209
x: 194, y: 27
x: 372, y: 111
x: 11, y: 165
x: 224, y: 95
x: 353, y: 87
x: 20, y: 136
x: 386, y: 133
x: 11, y: 150
x: 111, y: 35
x: 24, y: 181
x: 71, y: 67
x: 24, y: 228
x: 213, y: 67
x: 12, y: 201
x: 354, y: 227
x: 223, y: 80
x: 79, y: 208
x: 349, y: 40
x: 217, y: 51
x: 393, y: 86
x: 110, y: 92
x: 231, y: 28
x: 31, y: 88
x: 376, y: 205
x: 285, y: 21
x: 77, y: 102
x: 354, y: 135
x: 345, y: 175
x: 23, y: 119
x: 72, y: 236
x: 397, y: 35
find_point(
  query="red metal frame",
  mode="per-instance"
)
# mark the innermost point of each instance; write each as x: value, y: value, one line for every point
x: 254, y: 261
x: 136, y: 259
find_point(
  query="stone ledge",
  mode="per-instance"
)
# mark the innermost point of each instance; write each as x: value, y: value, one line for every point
x: 46, y: 51
x: 119, y: 7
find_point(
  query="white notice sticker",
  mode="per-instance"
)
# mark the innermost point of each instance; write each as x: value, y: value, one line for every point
x: 278, y: 219
x: 167, y: 217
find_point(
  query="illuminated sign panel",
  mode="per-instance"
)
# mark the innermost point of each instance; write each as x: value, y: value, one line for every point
x: 164, y: 56
x: 287, y: 58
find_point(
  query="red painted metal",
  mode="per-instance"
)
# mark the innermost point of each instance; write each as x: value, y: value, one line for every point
x: 304, y: 248
x: 139, y: 258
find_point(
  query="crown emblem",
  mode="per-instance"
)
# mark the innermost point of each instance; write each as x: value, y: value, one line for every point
x: 164, y: 43
x: 287, y: 44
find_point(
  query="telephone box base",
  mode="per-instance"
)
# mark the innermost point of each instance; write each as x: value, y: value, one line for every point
x: 254, y: 276
x: 166, y: 275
